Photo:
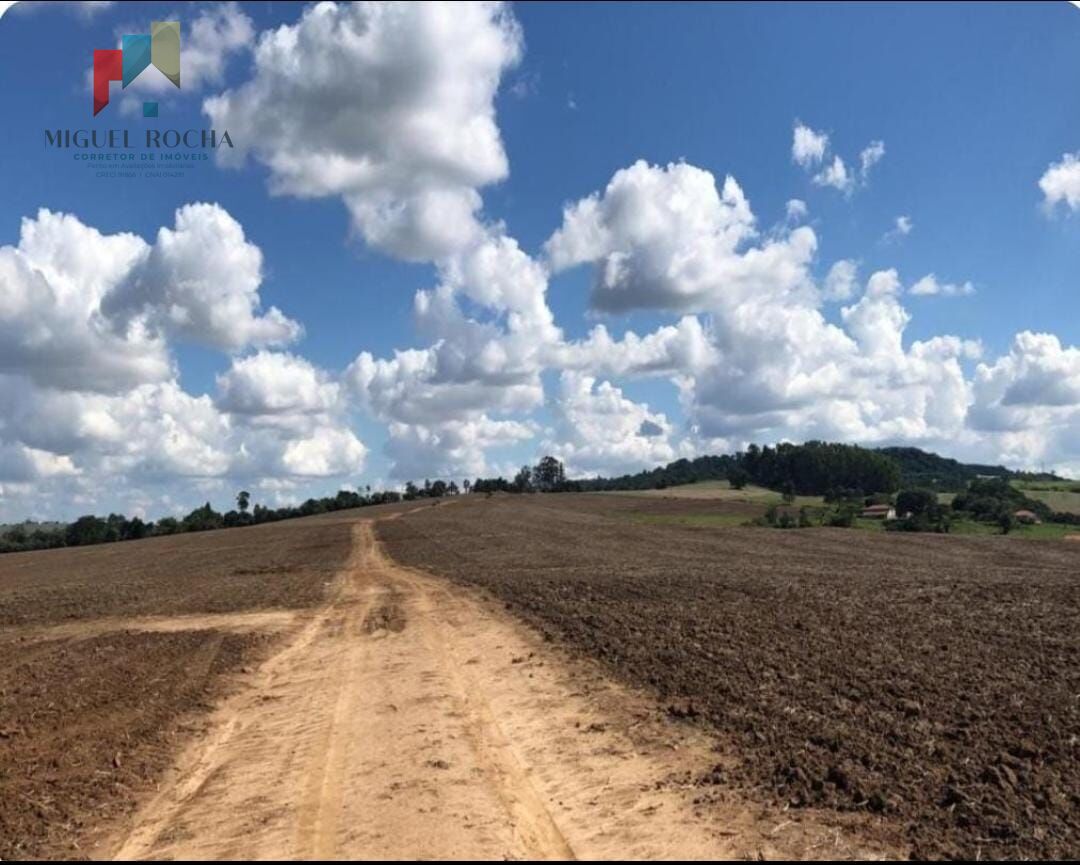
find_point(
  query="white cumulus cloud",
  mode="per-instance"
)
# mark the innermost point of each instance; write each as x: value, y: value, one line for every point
x: 808, y: 147
x: 811, y: 149
x: 200, y: 281
x: 870, y: 156
x: 1060, y: 184
x: 930, y: 285
x: 836, y: 175
x: 90, y: 405
x: 840, y: 281
x: 598, y: 430
x: 276, y: 384
x: 664, y: 237
x: 52, y: 287
x: 388, y: 105
x: 902, y: 227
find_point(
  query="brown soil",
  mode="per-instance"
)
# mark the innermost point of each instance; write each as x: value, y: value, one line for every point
x: 286, y: 564
x: 86, y: 725
x: 289, y: 692
x: 929, y: 682
x: 110, y: 654
x: 409, y: 719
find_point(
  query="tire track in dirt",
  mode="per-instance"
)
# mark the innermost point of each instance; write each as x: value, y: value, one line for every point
x: 533, y: 825
x: 410, y: 718
x: 202, y: 760
x: 322, y: 803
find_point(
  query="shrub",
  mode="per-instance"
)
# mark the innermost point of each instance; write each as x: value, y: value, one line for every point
x: 842, y: 517
x: 916, y: 502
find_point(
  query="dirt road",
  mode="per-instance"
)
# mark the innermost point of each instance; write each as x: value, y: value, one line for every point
x: 409, y: 718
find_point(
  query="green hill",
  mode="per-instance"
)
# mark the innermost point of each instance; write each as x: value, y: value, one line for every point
x: 815, y: 466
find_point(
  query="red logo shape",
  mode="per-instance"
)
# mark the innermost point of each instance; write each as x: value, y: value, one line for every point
x: 108, y: 66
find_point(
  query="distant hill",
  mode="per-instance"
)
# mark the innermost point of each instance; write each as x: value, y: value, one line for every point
x: 683, y: 471
x: 845, y: 465
x: 919, y: 468
x: 811, y: 468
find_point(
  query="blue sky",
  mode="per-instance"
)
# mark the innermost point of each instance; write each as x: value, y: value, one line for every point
x: 974, y: 105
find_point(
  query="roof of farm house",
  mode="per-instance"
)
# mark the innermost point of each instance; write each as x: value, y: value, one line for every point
x: 882, y: 508
x: 1025, y: 514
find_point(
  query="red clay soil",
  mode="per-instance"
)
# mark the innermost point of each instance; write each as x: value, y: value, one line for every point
x: 931, y: 680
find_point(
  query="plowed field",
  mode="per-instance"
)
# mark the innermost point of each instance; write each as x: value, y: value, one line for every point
x: 932, y: 681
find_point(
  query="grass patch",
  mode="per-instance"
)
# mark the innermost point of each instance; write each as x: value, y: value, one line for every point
x: 1045, y: 531
x: 1058, y: 495
x: 1052, y: 486
x: 1041, y: 531
x: 1058, y: 500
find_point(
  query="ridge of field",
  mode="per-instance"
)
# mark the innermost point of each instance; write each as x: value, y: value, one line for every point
x: 928, y: 680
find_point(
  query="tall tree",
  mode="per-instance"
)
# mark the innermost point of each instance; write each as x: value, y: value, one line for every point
x: 549, y: 475
x: 523, y: 480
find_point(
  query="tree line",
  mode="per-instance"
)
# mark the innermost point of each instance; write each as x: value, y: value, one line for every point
x: 992, y: 501
x: 548, y: 475
x: 920, y: 469
x: 995, y: 500
x: 811, y: 469
x: 820, y: 468
x: 91, y: 529
x: 847, y: 476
